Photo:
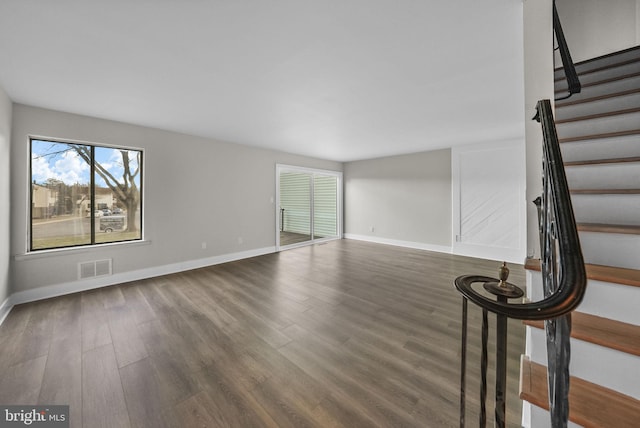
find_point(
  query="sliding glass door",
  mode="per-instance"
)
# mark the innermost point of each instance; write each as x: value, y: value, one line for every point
x: 295, y: 208
x: 309, y: 205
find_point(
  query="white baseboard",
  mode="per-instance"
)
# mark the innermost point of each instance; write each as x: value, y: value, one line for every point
x: 398, y: 243
x: 5, y: 308
x: 119, y: 278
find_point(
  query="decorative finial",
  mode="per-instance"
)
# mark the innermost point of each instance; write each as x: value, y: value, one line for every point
x: 503, y: 274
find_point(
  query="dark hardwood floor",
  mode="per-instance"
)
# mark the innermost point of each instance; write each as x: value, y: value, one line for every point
x: 345, y: 333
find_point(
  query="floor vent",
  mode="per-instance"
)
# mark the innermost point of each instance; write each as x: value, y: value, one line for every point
x: 94, y: 268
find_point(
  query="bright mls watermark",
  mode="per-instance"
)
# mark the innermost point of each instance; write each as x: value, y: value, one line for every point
x: 34, y: 416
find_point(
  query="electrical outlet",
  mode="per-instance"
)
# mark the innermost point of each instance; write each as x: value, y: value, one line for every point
x: 371, y: 229
x: 204, y: 245
x: 240, y: 240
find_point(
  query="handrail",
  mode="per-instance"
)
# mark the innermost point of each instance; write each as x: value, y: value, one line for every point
x: 564, y: 282
x: 564, y: 278
x: 574, y: 86
x: 572, y: 279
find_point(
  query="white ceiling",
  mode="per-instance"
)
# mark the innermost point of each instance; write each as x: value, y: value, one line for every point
x: 335, y: 79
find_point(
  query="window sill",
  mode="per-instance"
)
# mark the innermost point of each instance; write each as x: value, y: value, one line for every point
x: 75, y: 250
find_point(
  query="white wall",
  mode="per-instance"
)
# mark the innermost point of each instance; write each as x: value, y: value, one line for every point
x: 5, y: 176
x: 595, y: 27
x: 195, y: 190
x: 406, y: 199
x: 538, y: 84
x: 489, y: 203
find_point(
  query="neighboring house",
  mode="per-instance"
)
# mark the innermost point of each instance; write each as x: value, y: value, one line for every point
x: 103, y: 198
x: 43, y: 201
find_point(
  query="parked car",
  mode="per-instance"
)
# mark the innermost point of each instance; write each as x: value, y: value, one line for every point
x: 106, y: 212
x: 117, y: 211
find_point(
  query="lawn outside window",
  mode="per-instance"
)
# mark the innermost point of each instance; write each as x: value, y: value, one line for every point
x: 83, y: 194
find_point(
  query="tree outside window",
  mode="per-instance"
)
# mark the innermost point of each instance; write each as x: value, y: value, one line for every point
x: 84, y: 194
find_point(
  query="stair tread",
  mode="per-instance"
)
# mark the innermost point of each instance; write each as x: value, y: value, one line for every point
x: 598, y: 136
x: 563, y: 78
x: 599, y: 82
x: 599, y: 115
x: 603, y: 273
x: 590, y: 405
x: 598, y: 98
x: 602, y: 161
x: 603, y: 67
x: 605, y: 191
x: 606, y: 332
x: 609, y: 228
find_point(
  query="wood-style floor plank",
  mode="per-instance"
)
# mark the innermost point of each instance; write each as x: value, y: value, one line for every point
x: 21, y: 383
x: 142, y: 392
x: 344, y: 334
x: 103, y: 404
x: 62, y: 381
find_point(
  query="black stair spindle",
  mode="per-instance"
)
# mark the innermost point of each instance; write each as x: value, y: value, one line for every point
x: 564, y: 282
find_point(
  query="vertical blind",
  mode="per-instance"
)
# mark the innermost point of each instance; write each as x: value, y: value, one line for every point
x: 295, y: 199
x: 325, y: 206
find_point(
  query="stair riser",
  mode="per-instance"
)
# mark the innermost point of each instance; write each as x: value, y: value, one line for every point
x: 604, y: 299
x: 607, y: 367
x: 540, y: 418
x: 604, y: 176
x: 610, y: 209
x: 598, y: 76
x: 611, y: 249
x: 602, y: 62
x: 601, y: 106
x: 603, y: 89
x: 605, y: 148
x: 602, y: 125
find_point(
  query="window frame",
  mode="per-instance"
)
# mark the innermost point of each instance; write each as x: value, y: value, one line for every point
x: 92, y: 201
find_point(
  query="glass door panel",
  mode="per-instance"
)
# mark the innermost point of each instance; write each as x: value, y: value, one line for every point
x: 325, y: 206
x: 295, y: 208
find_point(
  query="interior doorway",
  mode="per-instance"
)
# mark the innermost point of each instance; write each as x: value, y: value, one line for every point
x: 309, y: 206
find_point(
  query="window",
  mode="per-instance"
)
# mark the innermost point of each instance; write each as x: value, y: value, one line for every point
x: 69, y: 179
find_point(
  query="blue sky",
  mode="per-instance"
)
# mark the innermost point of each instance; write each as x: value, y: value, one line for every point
x: 59, y: 161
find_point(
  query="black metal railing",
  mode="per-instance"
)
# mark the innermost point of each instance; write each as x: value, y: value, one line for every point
x: 564, y: 283
x: 573, y: 82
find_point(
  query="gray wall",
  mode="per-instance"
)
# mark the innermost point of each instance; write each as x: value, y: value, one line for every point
x: 404, y: 198
x: 195, y: 190
x: 5, y: 191
x: 596, y: 27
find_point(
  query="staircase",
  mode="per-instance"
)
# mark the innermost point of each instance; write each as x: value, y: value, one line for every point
x: 599, y: 132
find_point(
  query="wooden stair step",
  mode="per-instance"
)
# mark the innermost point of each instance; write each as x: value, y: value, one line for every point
x: 603, y: 273
x: 599, y: 82
x: 590, y: 405
x: 599, y: 115
x: 598, y: 136
x: 603, y: 161
x: 598, y: 98
x: 605, y: 191
x: 626, y: 229
x: 601, y: 331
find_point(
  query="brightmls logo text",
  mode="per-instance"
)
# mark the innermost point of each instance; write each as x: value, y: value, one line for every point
x: 34, y: 416
x: 27, y: 417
